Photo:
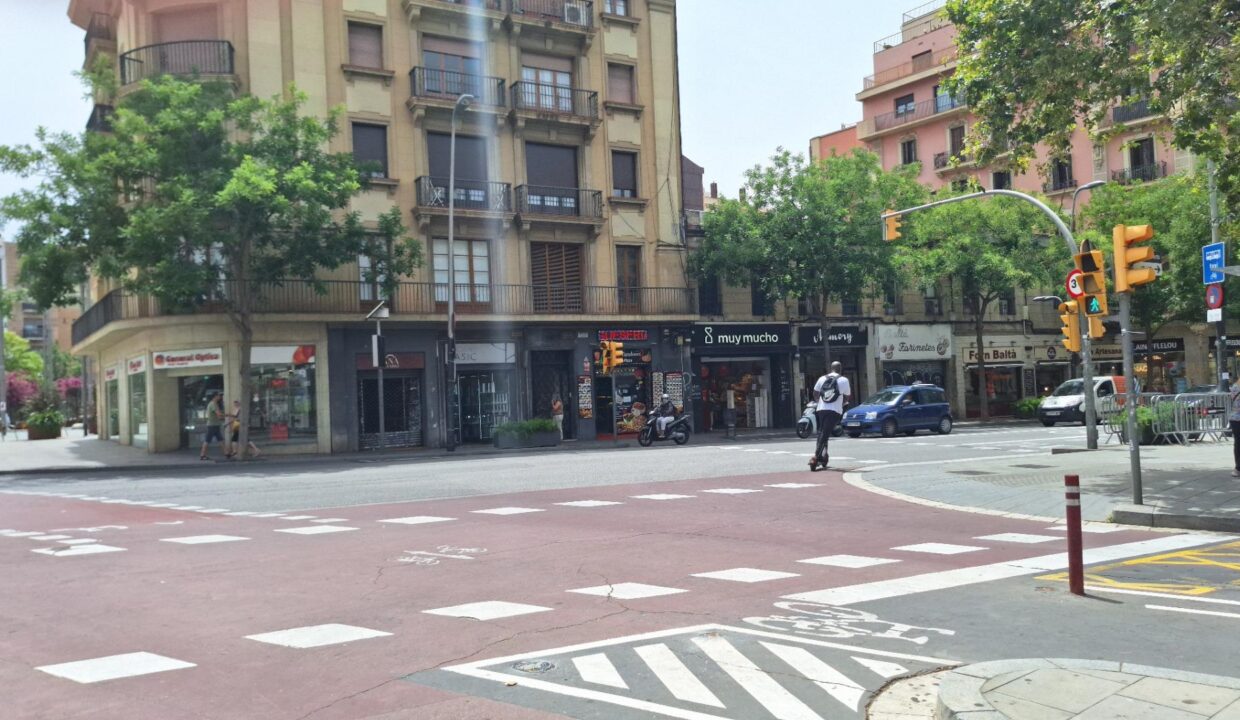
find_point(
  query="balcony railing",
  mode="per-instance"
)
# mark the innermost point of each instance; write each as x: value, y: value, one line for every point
x: 1140, y: 173
x: 449, y: 85
x: 559, y: 202
x: 543, y: 97
x: 478, y: 195
x: 187, y: 57
x: 348, y: 297
x: 1059, y: 183
x: 914, y: 66
x: 578, y: 13
x: 488, y: 4
x: 1131, y: 111
x: 916, y: 112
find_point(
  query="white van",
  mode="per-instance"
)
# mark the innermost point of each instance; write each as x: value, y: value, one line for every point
x: 1067, y: 403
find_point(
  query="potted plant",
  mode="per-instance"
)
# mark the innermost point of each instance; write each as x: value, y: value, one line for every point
x: 1027, y: 408
x: 44, y: 424
x: 539, y: 432
x: 1145, y: 426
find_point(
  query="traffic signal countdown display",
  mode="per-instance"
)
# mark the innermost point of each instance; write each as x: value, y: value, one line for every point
x: 1070, y: 316
x: 1093, y: 282
x: 612, y: 355
x: 1127, y: 276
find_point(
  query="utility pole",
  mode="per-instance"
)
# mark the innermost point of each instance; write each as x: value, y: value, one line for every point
x: 1220, y: 346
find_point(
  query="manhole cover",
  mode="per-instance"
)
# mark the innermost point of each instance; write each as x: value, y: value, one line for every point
x: 1032, y: 466
x: 969, y: 472
x: 533, y: 666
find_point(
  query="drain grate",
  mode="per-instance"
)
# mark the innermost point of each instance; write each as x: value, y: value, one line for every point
x: 533, y: 666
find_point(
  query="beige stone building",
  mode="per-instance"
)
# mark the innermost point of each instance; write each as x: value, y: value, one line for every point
x: 27, y: 320
x: 568, y: 206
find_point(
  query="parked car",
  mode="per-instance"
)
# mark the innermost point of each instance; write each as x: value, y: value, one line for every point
x: 901, y: 409
x: 1067, y: 403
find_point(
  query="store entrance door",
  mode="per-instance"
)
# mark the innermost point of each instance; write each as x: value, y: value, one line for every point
x: 112, y: 424
x: 550, y: 378
x: 486, y: 401
x: 402, y: 409
x: 195, y: 392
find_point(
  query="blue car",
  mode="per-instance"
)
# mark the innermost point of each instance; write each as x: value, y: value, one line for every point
x: 901, y: 409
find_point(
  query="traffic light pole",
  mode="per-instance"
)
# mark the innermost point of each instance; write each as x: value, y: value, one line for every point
x: 1087, y: 379
x: 1130, y: 391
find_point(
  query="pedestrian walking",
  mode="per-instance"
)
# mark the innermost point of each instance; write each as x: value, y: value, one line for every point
x: 831, y: 391
x: 234, y: 427
x: 4, y: 418
x: 557, y: 413
x: 1234, y: 417
x: 215, y: 424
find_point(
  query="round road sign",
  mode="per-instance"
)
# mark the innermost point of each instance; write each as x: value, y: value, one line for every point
x: 1214, y: 296
x: 1074, y: 284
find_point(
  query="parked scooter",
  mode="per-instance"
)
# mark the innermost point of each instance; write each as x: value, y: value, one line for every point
x: 677, y: 431
x: 807, y: 426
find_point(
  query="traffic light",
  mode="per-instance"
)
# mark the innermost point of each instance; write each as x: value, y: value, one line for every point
x: 1096, y: 330
x: 891, y: 227
x: 1070, y: 316
x: 612, y: 355
x: 1127, y: 276
x: 1093, y: 282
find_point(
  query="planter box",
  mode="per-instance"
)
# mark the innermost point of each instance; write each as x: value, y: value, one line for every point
x: 509, y: 441
x: 35, y: 432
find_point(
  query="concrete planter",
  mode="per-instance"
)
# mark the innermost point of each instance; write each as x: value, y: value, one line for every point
x: 41, y: 432
x: 512, y: 441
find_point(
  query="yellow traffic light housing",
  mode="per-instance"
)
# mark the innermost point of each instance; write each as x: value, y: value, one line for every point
x: 615, y: 355
x: 1070, y: 316
x: 1096, y: 330
x: 605, y: 356
x: 1126, y: 276
x: 891, y: 227
x: 1093, y: 282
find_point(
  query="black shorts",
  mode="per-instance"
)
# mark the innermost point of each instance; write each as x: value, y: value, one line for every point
x: 214, y: 433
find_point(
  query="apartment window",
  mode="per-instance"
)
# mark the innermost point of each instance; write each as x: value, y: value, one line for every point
x: 850, y: 307
x: 32, y: 331
x: 1001, y: 180
x: 908, y: 151
x: 1141, y: 155
x: 620, y: 83
x: 1061, y: 174
x: 365, y: 45
x: 371, y: 279
x: 546, y: 82
x: 904, y: 105
x: 628, y: 277
x: 616, y: 7
x: 552, y: 174
x: 710, y: 297
x: 452, y: 68
x: 1007, y: 303
x: 934, y: 304
x: 200, y: 23
x: 623, y: 174
x: 471, y: 270
x: 923, y: 61
x: 943, y: 100
x: 955, y: 140
x: 555, y: 272
x: 370, y: 149
x: 760, y: 303
x: 893, y: 299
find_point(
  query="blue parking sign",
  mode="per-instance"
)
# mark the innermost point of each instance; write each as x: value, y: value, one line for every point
x: 1213, y: 258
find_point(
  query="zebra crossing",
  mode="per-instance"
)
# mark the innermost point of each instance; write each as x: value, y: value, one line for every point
x: 704, y: 672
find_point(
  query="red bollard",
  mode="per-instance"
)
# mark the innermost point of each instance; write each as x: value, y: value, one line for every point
x: 1076, y: 563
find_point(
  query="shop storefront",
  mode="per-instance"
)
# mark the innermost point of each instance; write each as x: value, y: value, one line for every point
x: 486, y: 388
x: 910, y: 354
x: 197, y: 374
x: 282, y: 406
x: 848, y: 347
x: 1160, y: 365
x: 402, y: 399
x: 111, y: 402
x: 1231, y: 361
x: 751, y: 363
x: 139, y: 428
x: 1052, y: 368
x: 1002, y: 379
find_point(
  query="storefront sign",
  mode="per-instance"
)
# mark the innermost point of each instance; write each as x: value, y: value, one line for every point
x: 809, y: 336
x: 1159, y: 346
x: 1233, y: 343
x: 727, y: 337
x: 111, y: 372
x: 624, y: 335
x: 137, y: 365
x: 486, y: 353
x: 393, y: 361
x: 172, y: 359
x: 585, y: 397
x: 1052, y: 352
x: 282, y: 355
x: 995, y: 355
x: 914, y: 342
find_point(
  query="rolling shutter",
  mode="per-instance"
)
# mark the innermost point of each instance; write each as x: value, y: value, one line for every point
x: 555, y: 272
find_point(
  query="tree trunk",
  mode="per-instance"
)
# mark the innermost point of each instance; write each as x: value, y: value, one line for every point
x: 244, y: 320
x: 824, y: 325
x: 983, y: 408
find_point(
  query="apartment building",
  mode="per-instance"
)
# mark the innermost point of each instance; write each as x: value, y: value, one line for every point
x: 27, y: 320
x: 908, y: 117
x: 568, y: 219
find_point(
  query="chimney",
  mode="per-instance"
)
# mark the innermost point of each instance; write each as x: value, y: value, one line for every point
x: 714, y: 191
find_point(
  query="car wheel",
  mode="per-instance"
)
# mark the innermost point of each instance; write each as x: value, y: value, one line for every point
x: 1048, y: 423
x: 854, y: 435
x: 889, y: 428
x: 945, y: 426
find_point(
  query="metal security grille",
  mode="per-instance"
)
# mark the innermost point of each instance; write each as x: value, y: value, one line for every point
x: 402, y: 409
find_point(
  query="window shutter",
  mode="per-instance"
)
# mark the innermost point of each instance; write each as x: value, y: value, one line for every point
x: 623, y: 174
x: 620, y: 83
x: 370, y: 147
x: 555, y: 272
x: 365, y: 45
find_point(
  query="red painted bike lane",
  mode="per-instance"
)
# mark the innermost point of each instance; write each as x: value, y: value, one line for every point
x: 392, y: 590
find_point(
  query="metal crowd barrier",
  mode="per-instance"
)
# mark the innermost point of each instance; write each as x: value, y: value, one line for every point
x: 1177, y: 418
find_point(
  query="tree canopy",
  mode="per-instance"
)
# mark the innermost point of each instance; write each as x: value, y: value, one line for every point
x: 19, y: 358
x: 1031, y: 70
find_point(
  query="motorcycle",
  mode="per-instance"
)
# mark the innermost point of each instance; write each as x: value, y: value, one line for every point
x: 677, y: 431
x: 807, y: 426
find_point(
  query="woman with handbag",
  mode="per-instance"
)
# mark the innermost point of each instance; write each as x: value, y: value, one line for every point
x: 234, y: 425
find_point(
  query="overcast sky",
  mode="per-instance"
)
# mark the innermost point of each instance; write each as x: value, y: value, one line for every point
x: 754, y: 74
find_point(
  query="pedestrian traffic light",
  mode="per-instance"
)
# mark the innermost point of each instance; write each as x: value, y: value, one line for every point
x: 891, y: 227
x: 1093, y: 282
x: 1070, y: 316
x: 1127, y: 276
x: 1096, y: 330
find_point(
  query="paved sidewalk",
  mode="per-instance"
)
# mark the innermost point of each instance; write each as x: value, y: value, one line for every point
x: 1188, y: 487
x: 1083, y: 690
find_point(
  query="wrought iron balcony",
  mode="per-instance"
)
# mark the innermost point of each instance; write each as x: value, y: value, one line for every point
x: 187, y: 57
x: 555, y: 99
x: 448, y: 85
x: 576, y: 14
x: 1131, y: 111
x: 1140, y: 173
x: 1059, y: 184
x: 559, y: 202
x: 475, y: 195
x: 909, y: 115
x: 912, y: 67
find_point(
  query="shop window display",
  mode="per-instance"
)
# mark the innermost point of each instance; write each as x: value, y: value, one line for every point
x: 749, y: 381
x: 282, y: 407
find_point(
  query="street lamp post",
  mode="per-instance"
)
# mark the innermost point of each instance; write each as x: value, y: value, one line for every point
x: 462, y: 103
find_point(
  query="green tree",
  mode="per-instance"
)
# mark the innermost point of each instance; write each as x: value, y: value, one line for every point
x: 18, y: 357
x: 989, y: 248
x: 1031, y: 70
x: 808, y: 231
x: 220, y: 199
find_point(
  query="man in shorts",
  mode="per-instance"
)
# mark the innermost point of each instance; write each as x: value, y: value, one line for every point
x: 215, y: 425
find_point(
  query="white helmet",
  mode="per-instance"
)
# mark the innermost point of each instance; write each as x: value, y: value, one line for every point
x: 666, y: 396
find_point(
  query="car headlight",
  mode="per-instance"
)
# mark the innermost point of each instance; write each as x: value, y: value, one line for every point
x: 873, y: 415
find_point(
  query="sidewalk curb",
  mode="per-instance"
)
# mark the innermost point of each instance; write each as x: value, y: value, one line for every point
x: 1153, y: 517
x: 960, y: 690
x: 855, y: 479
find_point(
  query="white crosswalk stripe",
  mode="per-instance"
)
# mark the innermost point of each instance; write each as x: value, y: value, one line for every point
x: 675, y: 676
x: 597, y: 669
x: 824, y: 676
x: 769, y: 693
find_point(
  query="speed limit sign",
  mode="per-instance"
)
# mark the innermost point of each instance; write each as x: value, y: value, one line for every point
x: 1074, y: 284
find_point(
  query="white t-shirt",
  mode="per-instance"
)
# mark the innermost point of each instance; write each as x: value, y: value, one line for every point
x: 841, y: 384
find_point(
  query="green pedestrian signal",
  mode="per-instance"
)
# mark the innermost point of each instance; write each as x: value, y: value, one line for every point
x: 1093, y: 305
